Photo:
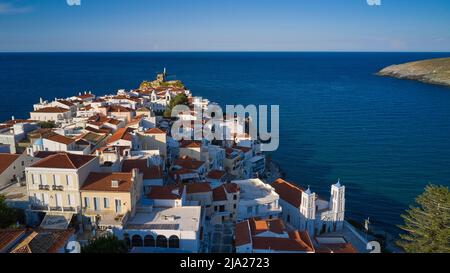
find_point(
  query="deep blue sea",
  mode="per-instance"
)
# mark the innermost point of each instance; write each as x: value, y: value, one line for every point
x: 384, y: 138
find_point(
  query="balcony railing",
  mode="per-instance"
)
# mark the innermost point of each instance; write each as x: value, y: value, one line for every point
x: 47, y: 208
x: 44, y: 187
x: 58, y: 188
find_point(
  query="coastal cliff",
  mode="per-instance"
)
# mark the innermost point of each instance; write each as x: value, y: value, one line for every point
x: 433, y: 71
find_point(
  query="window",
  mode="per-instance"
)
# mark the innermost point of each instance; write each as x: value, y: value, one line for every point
x: 70, y: 199
x: 86, y: 202
x: 56, y: 180
x: 106, y: 203
x: 235, y: 197
x: 69, y: 181
x: 43, y: 179
x: 234, y: 206
x: 222, y: 208
x: 249, y: 210
x: 23, y: 163
x: 96, y: 203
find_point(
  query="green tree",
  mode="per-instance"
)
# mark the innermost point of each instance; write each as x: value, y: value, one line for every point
x: 180, y: 99
x: 105, y: 244
x: 47, y: 124
x: 427, y: 225
x: 9, y: 217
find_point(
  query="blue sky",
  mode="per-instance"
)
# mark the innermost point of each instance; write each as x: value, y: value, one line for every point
x: 225, y: 25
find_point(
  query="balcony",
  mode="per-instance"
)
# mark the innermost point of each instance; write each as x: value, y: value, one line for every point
x: 47, y: 208
x: 44, y: 187
x: 58, y: 188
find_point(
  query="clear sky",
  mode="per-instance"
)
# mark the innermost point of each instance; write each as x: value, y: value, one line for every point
x: 224, y: 25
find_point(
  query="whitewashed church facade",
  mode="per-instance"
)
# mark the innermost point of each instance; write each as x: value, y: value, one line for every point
x: 304, y: 210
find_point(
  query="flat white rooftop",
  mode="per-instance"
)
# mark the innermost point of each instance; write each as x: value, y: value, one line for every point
x: 180, y: 218
x: 256, y: 191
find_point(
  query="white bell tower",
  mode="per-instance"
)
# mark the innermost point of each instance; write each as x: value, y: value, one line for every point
x: 308, y: 210
x: 337, y: 205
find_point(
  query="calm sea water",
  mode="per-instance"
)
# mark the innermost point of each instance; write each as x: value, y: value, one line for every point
x: 385, y: 138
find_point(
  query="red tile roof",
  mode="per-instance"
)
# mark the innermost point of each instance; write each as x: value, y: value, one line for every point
x: 154, y: 131
x: 188, y: 163
x: 288, y: 192
x: 9, y: 236
x: 232, y: 187
x: 66, y: 102
x: 44, y: 241
x: 64, y: 161
x: 219, y: 194
x: 201, y: 187
x: 85, y: 96
x: 190, y: 144
x: 6, y: 160
x: 166, y: 192
x: 295, y: 244
x: 118, y: 109
x: 216, y: 174
x: 122, y: 133
x: 260, y: 226
x: 60, y: 139
x: 103, y: 182
x: 336, y: 248
x: 52, y: 110
x: 242, y: 234
x: 150, y: 172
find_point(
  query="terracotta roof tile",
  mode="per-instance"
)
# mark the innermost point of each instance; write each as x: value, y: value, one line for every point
x: 60, y: 139
x: 64, y: 161
x: 190, y: 144
x: 6, y: 160
x: 216, y: 174
x: 52, y: 110
x: 150, y: 172
x: 232, y: 187
x: 154, y: 131
x: 219, y: 194
x: 122, y: 133
x: 9, y: 236
x: 288, y: 192
x: 189, y: 163
x: 201, y: 187
x: 103, y: 182
x: 166, y: 192
x: 242, y: 234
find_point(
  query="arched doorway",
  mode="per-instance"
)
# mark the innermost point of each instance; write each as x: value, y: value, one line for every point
x: 126, y: 238
x: 149, y: 241
x: 174, y: 242
x: 161, y: 241
x: 136, y: 240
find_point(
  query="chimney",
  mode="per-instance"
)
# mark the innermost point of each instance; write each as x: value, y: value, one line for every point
x: 114, y: 183
x: 85, y: 92
x: 79, y: 93
x: 13, y: 118
x: 41, y: 100
x: 90, y: 92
